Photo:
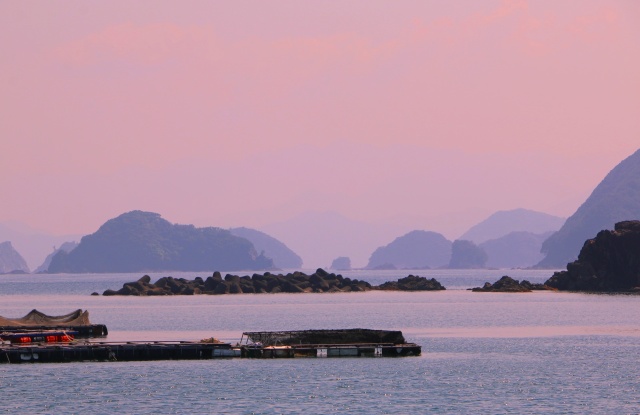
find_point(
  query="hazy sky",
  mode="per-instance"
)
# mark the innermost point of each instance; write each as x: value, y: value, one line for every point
x: 229, y: 113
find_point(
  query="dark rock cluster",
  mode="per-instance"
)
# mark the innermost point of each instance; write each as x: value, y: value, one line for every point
x: 507, y: 284
x: 296, y: 282
x: 608, y: 263
x: 411, y: 283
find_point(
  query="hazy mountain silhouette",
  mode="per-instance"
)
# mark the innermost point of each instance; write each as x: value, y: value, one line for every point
x: 615, y: 199
x: 467, y: 255
x: 320, y: 237
x: 416, y: 249
x: 282, y: 256
x: 514, y: 250
x: 142, y: 241
x: 342, y: 263
x: 33, y: 245
x: 11, y: 260
x: 506, y: 221
x: 66, y: 247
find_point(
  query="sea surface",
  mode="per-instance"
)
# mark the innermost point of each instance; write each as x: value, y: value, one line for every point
x: 489, y: 353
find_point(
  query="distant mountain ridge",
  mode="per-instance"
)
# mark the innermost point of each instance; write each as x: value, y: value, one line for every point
x: 515, y: 250
x: 615, y: 199
x: 320, y: 237
x: 142, y: 241
x: 66, y: 247
x: 504, y: 222
x: 416, y: 249
x: 11, y: 260
x: 34, y: 245
x: 282, y: 256
x: 510, y: 248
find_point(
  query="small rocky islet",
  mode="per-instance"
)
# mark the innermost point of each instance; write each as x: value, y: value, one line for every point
x: 320, y: 281
x: 507, y: 284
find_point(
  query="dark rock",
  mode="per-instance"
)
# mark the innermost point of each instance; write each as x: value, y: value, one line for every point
x: 411, y: 283
x: 222, y: 288
x: 507, y: 284
x: 235, y: 288
x: 94, y: 293
x: 322, y: 273
x: 210, y: 283
x: 608, y: 263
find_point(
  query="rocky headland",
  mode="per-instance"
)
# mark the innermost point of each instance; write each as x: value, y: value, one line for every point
x: 610, y: 262
x: 507, y: 284
x: 320, y: 281
x: 615, y: 199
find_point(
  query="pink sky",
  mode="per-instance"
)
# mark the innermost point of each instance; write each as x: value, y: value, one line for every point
x: 231, y: 113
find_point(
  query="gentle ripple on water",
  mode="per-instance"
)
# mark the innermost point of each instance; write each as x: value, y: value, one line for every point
x: 482, y: 353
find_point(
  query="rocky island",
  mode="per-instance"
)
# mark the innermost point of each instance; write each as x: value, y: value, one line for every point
x: 610, y: 262
x: 297, y: 282
x: 507, y: 284
x: 139, y: 241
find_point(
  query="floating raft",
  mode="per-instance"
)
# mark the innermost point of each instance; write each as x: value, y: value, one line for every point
x: 328, y: 343
x: 291, y: 344
x: 333, y: 350
x: 107, y: 351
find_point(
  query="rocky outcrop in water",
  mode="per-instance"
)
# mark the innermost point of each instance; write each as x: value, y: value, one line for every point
x: 507, y: 284
x: 608, y: 263
x: 411, y: 283
x: 297, y: 282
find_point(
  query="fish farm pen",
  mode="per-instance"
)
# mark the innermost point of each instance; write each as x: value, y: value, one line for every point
x: 72, y: 338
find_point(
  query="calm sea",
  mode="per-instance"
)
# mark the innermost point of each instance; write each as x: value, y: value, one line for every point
x: 492, y: 353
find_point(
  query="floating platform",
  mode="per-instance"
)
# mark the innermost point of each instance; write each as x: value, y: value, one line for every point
x: 333, y: 350
x: 20, y: 348
x: 327, y: 343
x: 107, y: 351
